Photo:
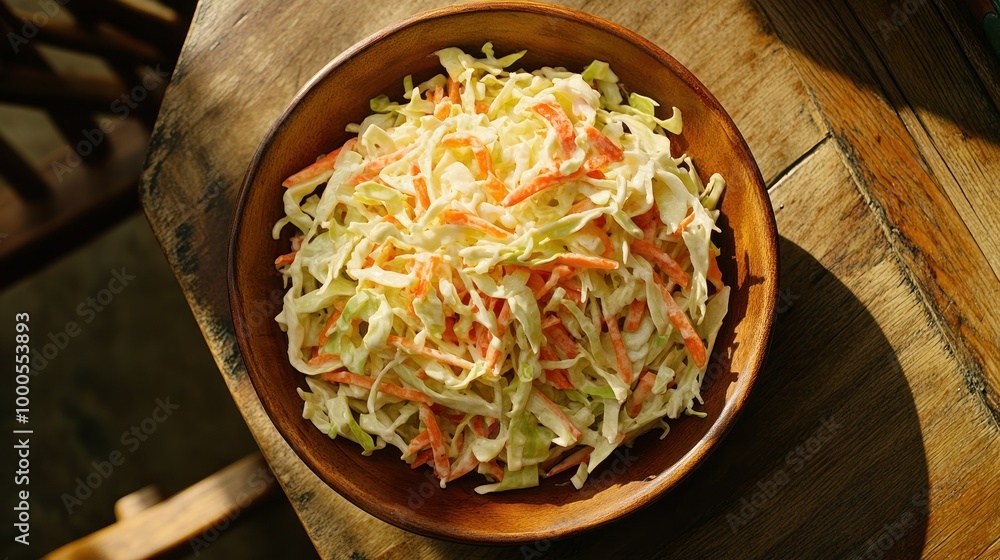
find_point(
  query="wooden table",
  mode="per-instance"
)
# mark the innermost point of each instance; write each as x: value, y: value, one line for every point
x: 874, y: 429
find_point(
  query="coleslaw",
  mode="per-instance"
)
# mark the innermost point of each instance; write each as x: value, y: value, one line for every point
x: 505, y: 272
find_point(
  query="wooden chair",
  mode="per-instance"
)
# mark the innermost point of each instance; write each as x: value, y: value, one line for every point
x: 104, y: 119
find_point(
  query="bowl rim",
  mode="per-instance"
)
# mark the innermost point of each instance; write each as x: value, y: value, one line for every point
x: 735, y: 403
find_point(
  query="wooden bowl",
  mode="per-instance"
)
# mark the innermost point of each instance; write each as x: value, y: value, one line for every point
x: 314, y: 123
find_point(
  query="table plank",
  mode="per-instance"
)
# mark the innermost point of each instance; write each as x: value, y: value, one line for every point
x: 937, y: 246
x: 882, y: 337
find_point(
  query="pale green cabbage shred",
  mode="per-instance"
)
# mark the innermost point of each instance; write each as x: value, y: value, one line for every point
x: 353, y: 260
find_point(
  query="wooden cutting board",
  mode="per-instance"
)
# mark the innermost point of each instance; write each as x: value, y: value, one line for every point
x: 874, y: 429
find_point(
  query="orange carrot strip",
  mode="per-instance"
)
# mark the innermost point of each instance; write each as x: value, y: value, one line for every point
x: 550, y: 321
x: 465, y: 464
x: 537, y: 285
x: 596, y: 174
x: 558, y: 378
x: 582, y: 206
x: 585, y: 261
x: 683, y: 224
x: 383, y: 387
x: 442, y: 110
x: 432, y: 353
x: 438, y: 93
x: 323, y: 360
x: 573, y: 430
x: 441, y: 466
x: 503, y: 321
x: 604, y: 145
x: 285, y: 259
x: 634, y: 404
x: 422, y: 440
x: 420, y: 186
x: 553, y: 112
x: 545, y: 180
x: 482, y: 108
x: 478, y: 426
x: 558, y: 335
x: 634, y: 318
x: 375, y: 166
x: 464, y: 140
x: 581, y: 455
x: 693, y: 342
x: 622, y: 360
x: 453, y: 92
x: 663, y: 261
x: 714, y: 274
x: 494, y: 470
x: 496, y: 187
x: 423, y: 458
x: 324, y: 335
x: 475, y: 222
x: 321, y: 166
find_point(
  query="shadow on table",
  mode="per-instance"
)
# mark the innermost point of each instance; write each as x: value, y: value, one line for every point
x: 827, y: 460
x: 912, y: 39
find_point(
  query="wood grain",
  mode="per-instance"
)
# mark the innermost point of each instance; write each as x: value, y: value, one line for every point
x: 891, y: 329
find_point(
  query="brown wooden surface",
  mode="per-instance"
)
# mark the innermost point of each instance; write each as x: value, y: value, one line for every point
x: 877, y: 417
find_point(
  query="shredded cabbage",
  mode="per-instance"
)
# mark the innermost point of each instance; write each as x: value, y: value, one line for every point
x: 505, y: 273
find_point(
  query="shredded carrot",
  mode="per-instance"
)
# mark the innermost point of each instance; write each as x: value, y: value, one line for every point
x: 423, y: 458
x: 714, y: 274
x: 585, y: 261
x: 550, y: 321
x: 449, y: 331
x: 478, y: 426
x: 554, y: 113
x: 581, y: 455
x: 482, y: 108
x: 537, y: 285
x: 375, y: 166
x: 496, y: 187
x: 558, y: 378
x: 573, y: 430
x: 582, y: 206
x: 493, y: 354
x: 324, y: 360
x: 285, y: 259
x: 324, y: 335
x: 432, y: 353
x: 453, y: 91
x: 634, y: 318
x: 693, y: 342
x: 438, y: 93
x: 465, y: 464
x: 596, y: 174
x: 604, y: 145
x: 422, y: 440
x: 592, y: 229
x: 383, y: 387
x: 634, y: 404
x: 662, y: 260
x: 622, y: 360
x: 441, y: 466
x: 557, y: 335
x: 420, y: 186
x: 321, y: 166
x: 424, y: 269
x: 464, y: 140
x: 683, y: 224
x: 475, y: 222
x: 493, y: 469
x: 545, y: 180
